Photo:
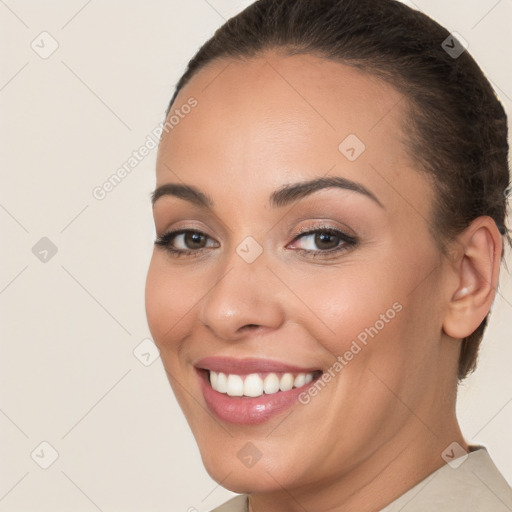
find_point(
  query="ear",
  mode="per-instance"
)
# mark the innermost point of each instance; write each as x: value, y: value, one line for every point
x: 477, y: 263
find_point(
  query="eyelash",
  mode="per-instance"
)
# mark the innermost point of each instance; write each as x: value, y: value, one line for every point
x: 346, y: 242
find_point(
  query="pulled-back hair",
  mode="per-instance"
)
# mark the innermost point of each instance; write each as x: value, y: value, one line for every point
x: 456, y: 127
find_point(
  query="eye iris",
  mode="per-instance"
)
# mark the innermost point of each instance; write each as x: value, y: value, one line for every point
x: 195, y: 240
x: 326, y: 241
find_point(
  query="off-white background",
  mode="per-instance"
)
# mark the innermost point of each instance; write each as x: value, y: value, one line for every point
x: 69, y: 326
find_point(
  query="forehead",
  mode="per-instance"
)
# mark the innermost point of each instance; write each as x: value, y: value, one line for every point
x: 267, y: 120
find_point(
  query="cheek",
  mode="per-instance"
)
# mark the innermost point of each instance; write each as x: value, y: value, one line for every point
x: 372, y: 314
x: 348, y: 303
x: 170, y: 299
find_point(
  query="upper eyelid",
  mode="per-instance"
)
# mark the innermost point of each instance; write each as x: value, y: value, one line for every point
x: 306, y: 231
x: 310, y: 231
x: 178, y: 232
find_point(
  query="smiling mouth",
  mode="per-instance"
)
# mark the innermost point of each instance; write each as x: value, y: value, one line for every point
x: 250, y: 391
x: 258, y: 384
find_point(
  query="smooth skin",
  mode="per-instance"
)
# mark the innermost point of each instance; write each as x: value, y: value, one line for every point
x: 381, y: 425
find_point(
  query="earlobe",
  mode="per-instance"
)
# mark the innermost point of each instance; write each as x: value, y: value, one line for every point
x: 477, y: 278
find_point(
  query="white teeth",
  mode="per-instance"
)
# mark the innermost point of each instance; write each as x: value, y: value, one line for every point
x: 300, y: 380
x: 254, y: 386
x: 271, y: 384
x: 235, y: 385
x: 286, y: 382
x: 222, y: 383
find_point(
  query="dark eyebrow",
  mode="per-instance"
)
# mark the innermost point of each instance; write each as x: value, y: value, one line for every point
x: 187, y: 192
x: 295, y: 191
x: 282, y: 197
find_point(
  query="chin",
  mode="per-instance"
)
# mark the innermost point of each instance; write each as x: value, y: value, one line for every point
x: 263, y: 477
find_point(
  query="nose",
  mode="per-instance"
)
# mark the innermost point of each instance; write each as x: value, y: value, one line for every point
x: 244, y: 298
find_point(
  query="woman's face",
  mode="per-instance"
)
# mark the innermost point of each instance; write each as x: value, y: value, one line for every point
x: 287, y: 279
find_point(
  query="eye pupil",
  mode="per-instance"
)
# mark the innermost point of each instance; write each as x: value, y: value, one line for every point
x: 326, y: 241
x: 194, y: 240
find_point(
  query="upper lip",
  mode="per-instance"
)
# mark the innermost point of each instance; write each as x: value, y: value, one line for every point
x: 248, y: 365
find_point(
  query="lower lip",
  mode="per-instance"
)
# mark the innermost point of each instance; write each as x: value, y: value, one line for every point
x: 247, y: 410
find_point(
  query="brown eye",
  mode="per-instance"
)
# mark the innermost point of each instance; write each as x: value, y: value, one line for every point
x: 326, y: 241
x: 323, y: 242
x: 193, y: 240
x: 186, y: 242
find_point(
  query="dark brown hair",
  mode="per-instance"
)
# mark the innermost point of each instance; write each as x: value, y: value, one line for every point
x: 457, y: 127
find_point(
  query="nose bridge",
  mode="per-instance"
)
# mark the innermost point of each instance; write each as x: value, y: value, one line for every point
x: 244, y: 294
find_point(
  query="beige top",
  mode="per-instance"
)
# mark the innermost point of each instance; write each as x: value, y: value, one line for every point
x: 471, y: 482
